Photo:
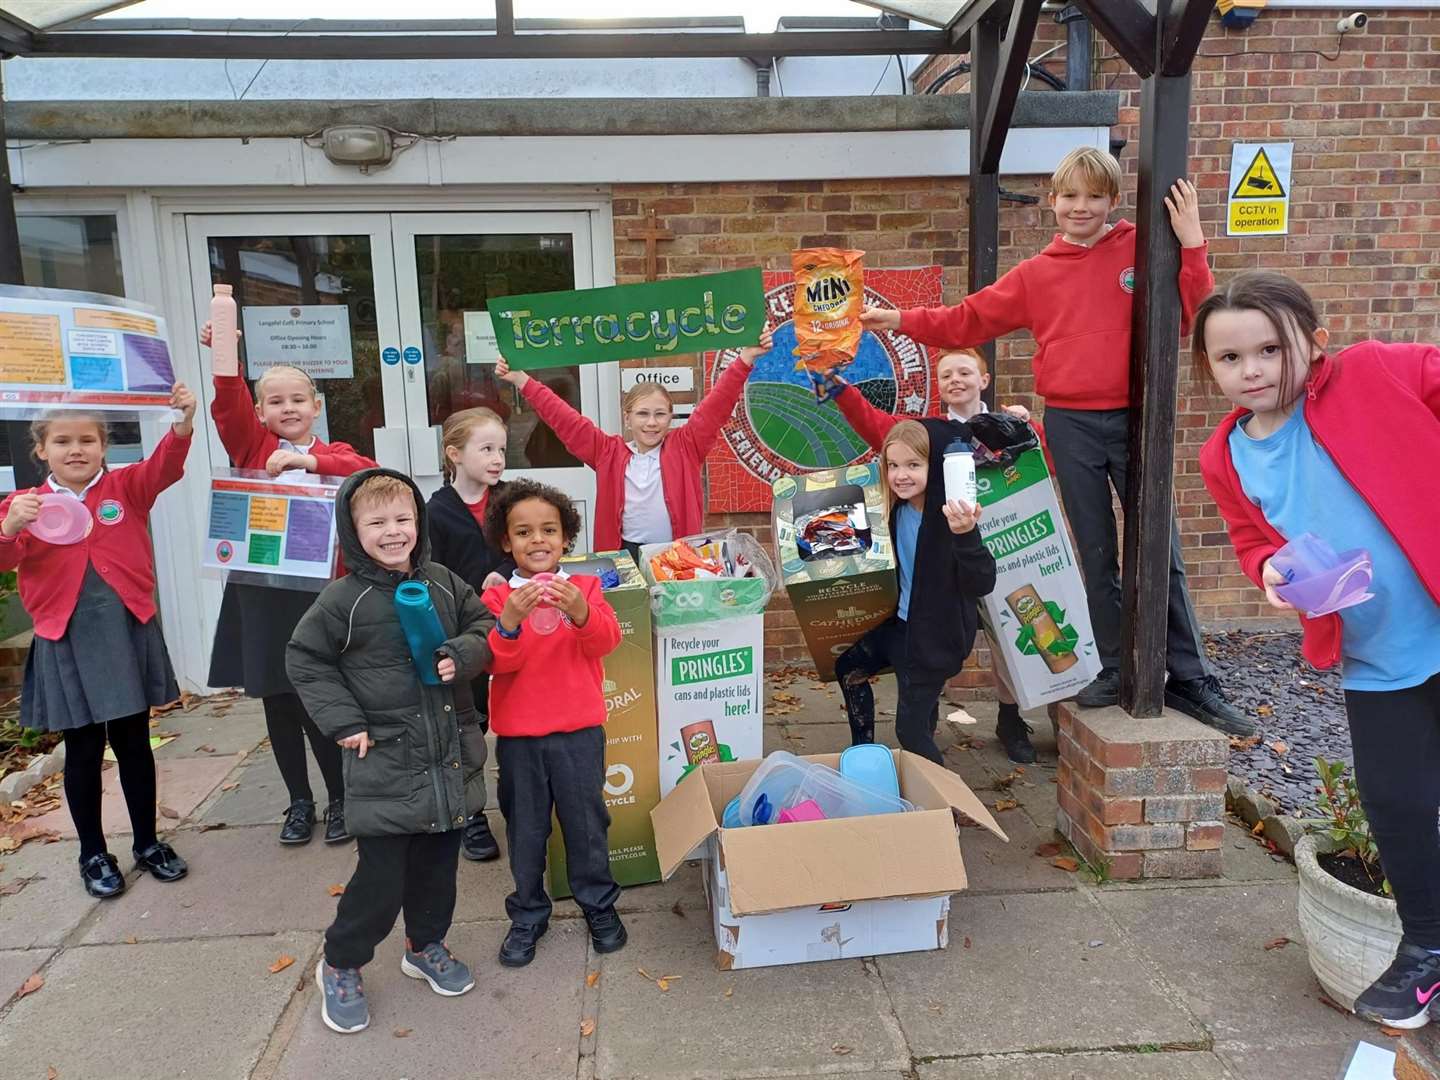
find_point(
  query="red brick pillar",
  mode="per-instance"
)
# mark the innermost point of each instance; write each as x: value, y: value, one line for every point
x: 1145, y: 796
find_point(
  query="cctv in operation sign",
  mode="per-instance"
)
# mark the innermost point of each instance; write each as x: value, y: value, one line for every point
x: 1259, y: 202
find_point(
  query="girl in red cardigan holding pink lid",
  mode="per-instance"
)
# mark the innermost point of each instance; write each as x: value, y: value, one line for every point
x: 98, y: 661
x: 648, y: 488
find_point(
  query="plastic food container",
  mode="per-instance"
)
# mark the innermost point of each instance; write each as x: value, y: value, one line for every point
x: 838, y: 797
x: 770, y: 787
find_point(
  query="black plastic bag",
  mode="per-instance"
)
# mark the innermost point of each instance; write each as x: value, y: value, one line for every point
x: 999, y: 438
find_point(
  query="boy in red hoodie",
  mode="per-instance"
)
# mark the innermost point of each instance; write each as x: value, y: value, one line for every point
x: 547, y: 710
x: 1076, y: 298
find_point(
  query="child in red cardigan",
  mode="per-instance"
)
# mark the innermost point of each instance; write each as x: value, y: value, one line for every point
x: 98, y: 660
x: 547, y: 711
x: 648, y: 489
x: 274, y: 433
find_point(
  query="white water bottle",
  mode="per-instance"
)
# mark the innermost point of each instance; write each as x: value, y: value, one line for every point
x: 224, y: 346
x: 960, y: 473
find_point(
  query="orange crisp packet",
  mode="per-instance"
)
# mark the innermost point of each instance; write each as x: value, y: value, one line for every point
x: 829, y: 293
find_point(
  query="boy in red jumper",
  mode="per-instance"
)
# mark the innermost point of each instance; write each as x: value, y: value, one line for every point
x: 1076, y: 298
x: 547, y: 710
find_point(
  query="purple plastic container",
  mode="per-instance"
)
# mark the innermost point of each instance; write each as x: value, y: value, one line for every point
x: 1319, y: 581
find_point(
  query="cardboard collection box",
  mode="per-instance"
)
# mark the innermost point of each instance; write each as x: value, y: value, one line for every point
x: 838, y: 594
x: 822, y: 890
x: 632, y: 777
x: 709, y: 668
x: 1037, y: 616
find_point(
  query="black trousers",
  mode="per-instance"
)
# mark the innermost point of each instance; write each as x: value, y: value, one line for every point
x: 413, y: 873
x: 289, y: 725
x: 917, y: 712
x: 1091, y: 452
x: 129, y: 737
x: 563, y: 772
x: 1396, y: 738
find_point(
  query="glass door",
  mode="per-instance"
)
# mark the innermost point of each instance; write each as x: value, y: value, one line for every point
x: 317, y: 292
x: 446, y: 266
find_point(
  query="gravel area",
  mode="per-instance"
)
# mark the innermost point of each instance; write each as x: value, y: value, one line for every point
x: 1301, y: 712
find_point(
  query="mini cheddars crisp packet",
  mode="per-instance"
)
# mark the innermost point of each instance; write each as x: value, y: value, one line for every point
x: 829, y: 294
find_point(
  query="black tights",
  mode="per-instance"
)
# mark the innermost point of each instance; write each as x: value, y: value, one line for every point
x: 288, y: 725
x: 917, y: 707
x: 84, y: 753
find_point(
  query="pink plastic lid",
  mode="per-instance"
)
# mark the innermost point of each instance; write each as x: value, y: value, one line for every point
x: 809, y: 810
x: 63, y: 519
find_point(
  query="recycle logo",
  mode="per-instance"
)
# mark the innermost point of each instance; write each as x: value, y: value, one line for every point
x: 1064, y: 645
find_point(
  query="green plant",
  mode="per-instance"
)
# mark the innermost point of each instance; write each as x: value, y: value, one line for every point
x: 1097, y: 871
x: 1341, y: 818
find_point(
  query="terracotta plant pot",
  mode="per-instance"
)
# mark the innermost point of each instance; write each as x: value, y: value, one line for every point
x: 1351, y: 935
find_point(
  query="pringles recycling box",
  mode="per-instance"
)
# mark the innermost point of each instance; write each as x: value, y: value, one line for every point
x: 632, y: 778
x: 709, y: 650
x: 832, y: 537
x: 1037, y: 616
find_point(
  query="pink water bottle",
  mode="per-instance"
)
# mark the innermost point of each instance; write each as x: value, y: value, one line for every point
x: 224, y: 341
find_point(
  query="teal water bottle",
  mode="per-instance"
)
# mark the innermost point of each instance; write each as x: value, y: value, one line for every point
x: 421, y: 626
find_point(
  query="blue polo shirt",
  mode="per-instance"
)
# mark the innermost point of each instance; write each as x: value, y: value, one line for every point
x: 1390, y: 642
x: 907, y: 534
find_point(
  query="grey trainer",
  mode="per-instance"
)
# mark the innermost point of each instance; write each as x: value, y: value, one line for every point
x: 342, y: 998
x: 437, y: 965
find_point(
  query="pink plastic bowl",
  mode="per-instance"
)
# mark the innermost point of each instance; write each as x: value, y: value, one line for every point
x: 63, y: 520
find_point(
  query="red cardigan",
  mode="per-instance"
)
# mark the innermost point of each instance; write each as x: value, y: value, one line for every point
x: 1373, y: 408
x: 1077, y: 302
x: 544, y: 683
x: 682, y: 455
x: 250, y: 443
x: 118, y: 544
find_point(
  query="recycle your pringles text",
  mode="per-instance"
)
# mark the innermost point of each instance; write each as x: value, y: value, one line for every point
x: 630, y: 322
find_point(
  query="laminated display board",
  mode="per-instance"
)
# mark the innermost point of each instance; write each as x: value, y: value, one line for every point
x: 61, y: 349
x: 277, y: 531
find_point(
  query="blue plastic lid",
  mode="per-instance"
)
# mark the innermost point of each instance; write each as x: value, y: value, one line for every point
x: 960, y: 446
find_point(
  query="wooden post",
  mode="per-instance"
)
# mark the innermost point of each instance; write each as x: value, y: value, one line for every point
x: 984, y: 258
x: 651, y: 233
x: 1154, y: 381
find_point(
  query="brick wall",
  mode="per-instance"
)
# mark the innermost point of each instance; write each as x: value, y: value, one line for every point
x: 1365, y: 219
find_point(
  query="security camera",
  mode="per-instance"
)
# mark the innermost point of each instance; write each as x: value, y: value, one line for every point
x: 1355, y: 21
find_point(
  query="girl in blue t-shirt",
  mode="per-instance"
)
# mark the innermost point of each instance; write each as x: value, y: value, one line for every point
x: 1319, y: 444
x: 943, y: 569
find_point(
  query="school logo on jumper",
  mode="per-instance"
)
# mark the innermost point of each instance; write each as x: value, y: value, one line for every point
x: 779, y: 430
x: 224, y: 551
x: 1127, y: 279
x: 110, y: 512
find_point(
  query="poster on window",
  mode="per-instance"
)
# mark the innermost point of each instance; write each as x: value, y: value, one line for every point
x: 65, y: 349
x: 314, y: 338
x: 277, y: 531
x: 778, y: 430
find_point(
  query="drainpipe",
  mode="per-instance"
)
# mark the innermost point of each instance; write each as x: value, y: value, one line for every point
x: 1079, y: 55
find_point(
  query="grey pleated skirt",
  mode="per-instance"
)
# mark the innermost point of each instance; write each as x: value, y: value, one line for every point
x: 107, y: 666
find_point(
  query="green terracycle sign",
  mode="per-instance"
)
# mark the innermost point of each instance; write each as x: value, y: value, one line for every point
x: 630, y: 322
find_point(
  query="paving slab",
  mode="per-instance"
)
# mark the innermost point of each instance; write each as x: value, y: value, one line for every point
x: 228, y: 725
x: 200, y: 1009
x: 1322, y: 1061
x: 183, y: 785
x: 1210, y: 945
x: 50, y: 906
x: 259, y: 797
x: 776, y: 1021
x: 988, y: 998
x: 522, y: 1024
x: 1160, y: 1065
x: 17, y: 965
x: 1244, y: 858
x: 822, y: 703
x: 992, y: 865
x: 241, y: 881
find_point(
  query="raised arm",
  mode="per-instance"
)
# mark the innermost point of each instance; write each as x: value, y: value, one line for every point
x: 870, y: 423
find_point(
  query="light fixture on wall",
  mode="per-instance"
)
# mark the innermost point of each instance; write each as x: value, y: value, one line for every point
x: 366, y: 146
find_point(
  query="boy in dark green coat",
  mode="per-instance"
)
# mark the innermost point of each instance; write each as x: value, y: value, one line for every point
x: 413, y: 753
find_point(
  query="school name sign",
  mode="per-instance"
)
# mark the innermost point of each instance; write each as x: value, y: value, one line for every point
x: 630, y: 322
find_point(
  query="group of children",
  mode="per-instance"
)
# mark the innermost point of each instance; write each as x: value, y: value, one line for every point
x: 402, y: 759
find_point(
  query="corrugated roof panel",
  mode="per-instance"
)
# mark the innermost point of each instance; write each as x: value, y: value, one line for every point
x: 934, y: 12
x: 45, y: 14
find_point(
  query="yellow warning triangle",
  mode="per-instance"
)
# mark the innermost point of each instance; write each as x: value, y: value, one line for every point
x: 1259, y: 181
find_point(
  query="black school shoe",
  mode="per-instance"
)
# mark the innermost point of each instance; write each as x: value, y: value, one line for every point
x: 1014, y: 735
x: 1402, y: 996
x: 1102, y: 692
x: 100, y: 874
x: 160, y: 862
x: 1203, y: 699
x: 478, y: 843
x: 518, y: 948
x: 335, y: 831
x: 607, y: 932
x: 299, y: 822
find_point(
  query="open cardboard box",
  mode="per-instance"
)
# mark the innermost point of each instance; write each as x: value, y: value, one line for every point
x: 803, y: 891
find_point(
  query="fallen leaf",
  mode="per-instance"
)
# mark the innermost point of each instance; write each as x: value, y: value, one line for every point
x: 18, y: 885
x: 587, y: 1028
x: 1278, y: 943
x: 1279, y: 747
x: 229, y: 787
x: 592, y: 978
x: 403, y: 1033
x: 132, y: 940
x: 1002, y: 805
x: 1394, y: 1033
x: 966, y: 943
x: 645, y: 974
x: 837, y: 1048
x: 676, y: 909
x: 33, y: 983
x: 9, y: 843
x: 1064, y: 862
x: 1265, y: 710
x: 664, y: 985
x: 336, y: 890
x: 169, y: 812
x: 52, y: 1073
x: 1258, y: 828
x: 281, y: 963
x: 211, y: 826
x: 729, y: 991
x: 1047, y: 851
